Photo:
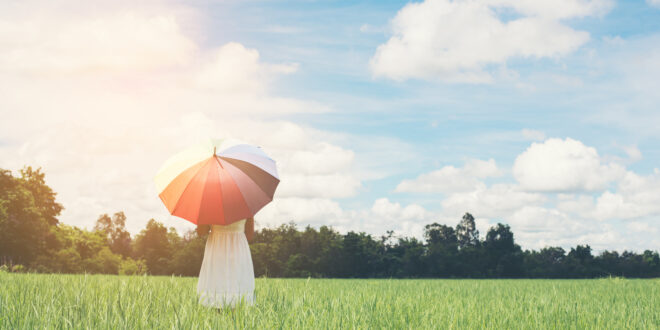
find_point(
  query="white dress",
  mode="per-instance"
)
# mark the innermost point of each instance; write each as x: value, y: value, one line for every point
x: 227, y: 276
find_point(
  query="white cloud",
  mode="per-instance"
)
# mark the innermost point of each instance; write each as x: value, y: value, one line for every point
x: 540, y: 219
x: 653, y: 3
x: 117, y: 42
x: 634, y: 154
x: 408, y: 220
x: 633, y: 197
x: 642, y: 227
x: 315, y: 211
x: 576, y: 204
x: 309, y: 166
x: 96, y: 170
x: 384, y: 215
x: 537, y: 227
x: 496, y: 201
x: 533, y: 135
x: 101, y: 119
x: 325, y: 185
x: 563, y: 166
x: 319, y: 158
x: 451, y: 179
x: 636, y: 197
x: 383, y: 208
x: 543, y: 217
x: 100, y: 105
x: 457, y: 41
x: 243, y: 65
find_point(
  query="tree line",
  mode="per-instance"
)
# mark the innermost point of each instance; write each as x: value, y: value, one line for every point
x: 32, y: 239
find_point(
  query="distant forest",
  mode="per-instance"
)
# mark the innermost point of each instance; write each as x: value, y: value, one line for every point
x: 32, y: 239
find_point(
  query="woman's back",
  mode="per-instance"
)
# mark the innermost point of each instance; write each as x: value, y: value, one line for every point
x: 236, y: 227
x: 227, y: 275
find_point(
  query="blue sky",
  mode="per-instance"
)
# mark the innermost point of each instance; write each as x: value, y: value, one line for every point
x: 576, y: 88
x: 447, y: 122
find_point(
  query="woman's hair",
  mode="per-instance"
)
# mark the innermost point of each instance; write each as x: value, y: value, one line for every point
x: 203, y: 230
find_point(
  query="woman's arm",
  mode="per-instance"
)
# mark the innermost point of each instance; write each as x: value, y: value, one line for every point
x: 202, y: 230
x: 249, y: 229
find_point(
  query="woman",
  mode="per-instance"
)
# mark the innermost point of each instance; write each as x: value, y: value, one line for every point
x: 227, y: 276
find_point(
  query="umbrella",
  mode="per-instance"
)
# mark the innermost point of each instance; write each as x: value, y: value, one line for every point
x: 217, y: 182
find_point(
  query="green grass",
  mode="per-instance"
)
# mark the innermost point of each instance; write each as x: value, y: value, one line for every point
x: 29, y: 301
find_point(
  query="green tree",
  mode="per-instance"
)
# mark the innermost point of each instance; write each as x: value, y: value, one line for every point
x: 580, y: 262
x: 505, y: 256
x: 128, y: 266
x: 546, y: 263
x: 412, y: 261
x: 330, y: 242
x: 86, y: 252
x: 442, y: 245
x: 154, y: 244
x: 44, y: 197
x: 651, y: 261
x: 114, y: 229
x: 66, y: 261
x: 27, y: 215
x: 361, y: 256
x: 466, y: 232
x: 273, y: 247
x: 299, y: 265
x: 187, y: 259
x: 104, y: 262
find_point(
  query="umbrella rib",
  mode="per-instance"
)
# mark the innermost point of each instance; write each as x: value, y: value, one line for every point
x: 186, y: 189
x: 239, y: 188
x: 258, y: 186
x: 227, y: 157
x: 205, y: 197
x: 251, y: 207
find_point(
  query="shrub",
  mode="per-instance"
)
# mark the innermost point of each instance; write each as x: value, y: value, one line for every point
x: 129, y: 266
x: 18, y: 269
x: 103, y: 262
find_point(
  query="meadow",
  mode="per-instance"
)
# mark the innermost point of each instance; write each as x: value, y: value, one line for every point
x: 29, y: 301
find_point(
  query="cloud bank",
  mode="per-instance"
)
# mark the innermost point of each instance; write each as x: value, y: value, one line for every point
x: 461, y: 41
x: 560, y: 192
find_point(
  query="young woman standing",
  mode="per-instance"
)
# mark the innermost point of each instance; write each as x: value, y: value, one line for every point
x: 227, y: 275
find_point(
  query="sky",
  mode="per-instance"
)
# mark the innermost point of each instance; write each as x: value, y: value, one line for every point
x: 381, y: 115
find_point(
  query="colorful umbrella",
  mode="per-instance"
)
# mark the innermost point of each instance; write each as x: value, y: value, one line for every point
x: 217, y: 182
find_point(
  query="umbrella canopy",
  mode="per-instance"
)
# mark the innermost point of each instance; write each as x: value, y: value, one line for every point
x: 217, y: 182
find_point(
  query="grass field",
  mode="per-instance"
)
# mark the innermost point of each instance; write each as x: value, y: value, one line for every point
x: 96, y: 301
